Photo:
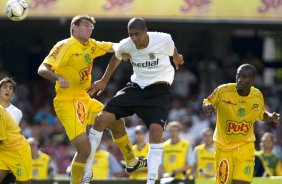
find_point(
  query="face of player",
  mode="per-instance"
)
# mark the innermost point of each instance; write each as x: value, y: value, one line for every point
x: 139, y: 37
x: 139, y: 137
x: 7, y: 91
x: 83, y: 31
x: 267, y: 142
x: 244, y: 80
x: 207, y: 138
x: 174, y: 132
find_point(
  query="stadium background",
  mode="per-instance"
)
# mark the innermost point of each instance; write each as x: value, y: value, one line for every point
x: 214, y: 36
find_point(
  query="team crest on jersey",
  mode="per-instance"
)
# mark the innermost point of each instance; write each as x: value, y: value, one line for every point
x: 223, y: 171
x: 152, y: 56
x: 19, y: 172
x: 87, y: 58
x: 247, y: 170
x: 233, y: 127
x: 172, y: 158
x: 80, y: 111
x: 241, y: 112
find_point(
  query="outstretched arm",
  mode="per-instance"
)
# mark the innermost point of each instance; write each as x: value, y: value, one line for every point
x: 100, y: 85
x: 272, y: 117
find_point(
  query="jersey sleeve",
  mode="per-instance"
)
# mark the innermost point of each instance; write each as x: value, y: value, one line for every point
x: 58, y: 54
x: 120, y: 48
x: 169, y: 44
x: 262, y: 108
x: 3, y: 134
x: 101, y: 47
x: 213, y: 98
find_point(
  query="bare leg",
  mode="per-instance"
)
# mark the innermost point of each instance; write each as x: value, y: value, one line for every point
x: 3, y: 174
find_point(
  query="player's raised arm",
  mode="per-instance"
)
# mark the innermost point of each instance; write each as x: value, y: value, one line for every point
x: 100, y: 85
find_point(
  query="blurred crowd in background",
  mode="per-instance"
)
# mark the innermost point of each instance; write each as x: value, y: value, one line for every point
x: 200, y: 74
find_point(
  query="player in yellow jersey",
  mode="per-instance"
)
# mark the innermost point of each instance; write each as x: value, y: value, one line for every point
x: 205, y: 162
x: 177, y: 154
x: 69, y: 63
x: 15, y: 153
x: 237, y: 106
x: 140, y: 149
x: 42, y: 165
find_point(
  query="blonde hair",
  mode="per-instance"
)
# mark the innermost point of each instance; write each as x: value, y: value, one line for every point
x: 77, y: 19
x: 174, y: 124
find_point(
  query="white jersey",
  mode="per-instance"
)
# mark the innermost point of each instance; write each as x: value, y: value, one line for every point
x: 15, y: 113
x: 151, y: 64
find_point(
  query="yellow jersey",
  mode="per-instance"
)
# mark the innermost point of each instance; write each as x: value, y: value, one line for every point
x: 205, y: 161
x: 140, y: 174
x: 73, y: 61
x: 40, y: 166
x: 101, y: 165
x: 174, y: 156
x: 235, y: 115
x: 11, y: 138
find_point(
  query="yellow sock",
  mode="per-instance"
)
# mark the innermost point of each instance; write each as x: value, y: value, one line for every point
x: 125, y: 147
x: 76, y: 172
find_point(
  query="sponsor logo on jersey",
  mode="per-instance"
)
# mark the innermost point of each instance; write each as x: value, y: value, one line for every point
x: 147, y: 64
x: 255, y: 107
x: 80, y: 111
x: 229, y: 102
x: 233, y: 127
x: 19, y: 172
x: 56, y: 51
x: 84, y: 74
x: 223, y: 171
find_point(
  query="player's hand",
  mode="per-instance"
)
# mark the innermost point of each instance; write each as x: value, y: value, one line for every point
x: 178, y: 60
x: 208, y: 109
x: 64, y: 83
x: 276, y: 118
x: 97, y: 87
x: 125, y: 57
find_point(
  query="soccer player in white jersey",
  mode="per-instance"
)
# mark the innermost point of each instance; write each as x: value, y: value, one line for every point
x: 147, y: 95
x: 7, y: 90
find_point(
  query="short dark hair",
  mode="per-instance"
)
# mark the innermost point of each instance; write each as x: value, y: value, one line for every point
x: 249, y: 67
x: 77, y: 19
x: 137, y: 23
x: 8, y: 80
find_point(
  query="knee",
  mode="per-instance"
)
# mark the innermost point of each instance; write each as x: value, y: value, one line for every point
x: 104, y: 120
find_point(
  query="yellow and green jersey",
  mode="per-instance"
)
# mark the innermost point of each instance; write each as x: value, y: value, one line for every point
x: 40, y: 166
x: 11, y: 138
x: 272, y: 163
x: 205, y: 161
x: 73, y: 61
x: 175, y: 156
x: 235, y: 115
x: 142, y: 174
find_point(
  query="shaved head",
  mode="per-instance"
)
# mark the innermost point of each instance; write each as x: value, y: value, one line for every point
x: 137, y: 23
x: 250, y: 68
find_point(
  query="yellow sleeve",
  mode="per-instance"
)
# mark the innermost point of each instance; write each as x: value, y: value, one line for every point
x: 101, y: 47
x: 58, y: 54
x: 278, y: 169
x: 3, y: 134
x: 213, y: 98
x: 261, y: 116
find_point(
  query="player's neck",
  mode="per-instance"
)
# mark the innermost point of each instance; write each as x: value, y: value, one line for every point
x: 267, y: 151
x: 5, y: 103
x: 144, y: 44
x: 175, y: 140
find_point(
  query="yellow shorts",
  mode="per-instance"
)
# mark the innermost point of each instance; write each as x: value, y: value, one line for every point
x: 237, y: 164
x: 18, y: 162
x: 76, y: 113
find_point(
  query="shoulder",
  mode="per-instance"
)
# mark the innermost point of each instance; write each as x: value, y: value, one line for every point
x: 159, y: 35
x: 166, y: 143
x: 199, y: 147
x: 256, y: 92
x: 229, y: 87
